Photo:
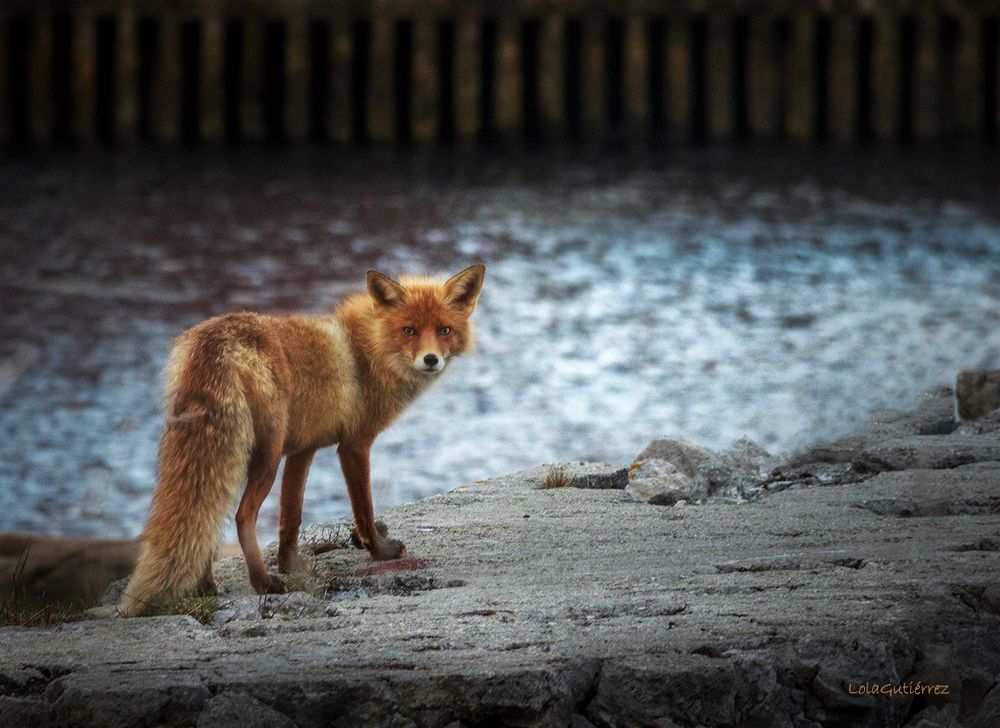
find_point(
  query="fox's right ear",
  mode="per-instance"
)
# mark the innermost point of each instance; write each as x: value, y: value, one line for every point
x: 384, y: 290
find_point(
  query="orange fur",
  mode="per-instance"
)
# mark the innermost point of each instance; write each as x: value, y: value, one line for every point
x: 243, y: 390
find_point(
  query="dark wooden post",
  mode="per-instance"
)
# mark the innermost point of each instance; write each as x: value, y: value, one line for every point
x: 800, y: 78
x: 126, y: 83
x: 297, y: 74
x: 211, y: 124
x: 763, y: 105
x: 252, y: 91
x: 886, y: 75
x: 552, y: 75
x: 925, y: 86
x: 968, y: 75
x: 167, y: 83
x: 508, y: 82
x: 995, y: 111
x: 843, y: 97
x: 678, y: 78
x: 468, y: 30
x: 425, y: 110
x: 5, y: 129
x: 381, y: 109
x: 592, y: 71
x: 636, y: 81
x: 719, y: 52
x: 338, y: 119
x: 84, y: 54
x: 40, y: 76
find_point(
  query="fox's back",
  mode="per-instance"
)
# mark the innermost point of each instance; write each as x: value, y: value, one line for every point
x: 297, y: 374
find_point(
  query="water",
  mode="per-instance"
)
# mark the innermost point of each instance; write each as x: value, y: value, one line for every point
x: 779, y: 294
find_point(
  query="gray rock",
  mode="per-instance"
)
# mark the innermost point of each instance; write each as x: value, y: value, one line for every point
x: 653, y: 468
x: 607, y: 481
x: 293, y: 605
x: 685, y: 456
x: 987, y: 424
x: 934, y: 452
x: 659, y: 486
x: 978, y: 393
x: 738, y: 470
x: 892, y: 423
x: 240, y: 710
x: 545, y: 607
x: 935, y: 413
x: 842, y: 450
x: 983, y: 465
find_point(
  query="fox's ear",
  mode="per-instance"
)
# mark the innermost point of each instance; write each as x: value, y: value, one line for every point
x: 462, y: 290
x: 384, y: 290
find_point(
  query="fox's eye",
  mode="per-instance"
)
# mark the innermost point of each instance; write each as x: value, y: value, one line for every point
x: 444, y: 330
x: 409, y: 331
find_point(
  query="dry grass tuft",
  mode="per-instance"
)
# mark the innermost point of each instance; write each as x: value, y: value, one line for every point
x: 16, y: 609
x: 557, y: 477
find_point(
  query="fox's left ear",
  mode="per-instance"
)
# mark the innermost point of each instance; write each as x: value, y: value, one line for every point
x: 462, y: 291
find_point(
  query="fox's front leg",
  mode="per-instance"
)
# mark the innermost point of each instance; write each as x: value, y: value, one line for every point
x: 354, y: 461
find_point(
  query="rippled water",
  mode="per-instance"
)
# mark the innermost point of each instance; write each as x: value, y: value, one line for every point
x: 779, y: 294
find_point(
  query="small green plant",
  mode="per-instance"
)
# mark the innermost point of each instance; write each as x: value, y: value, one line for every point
x: 557, y: 477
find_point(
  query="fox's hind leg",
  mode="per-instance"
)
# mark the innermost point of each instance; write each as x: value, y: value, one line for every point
x: 206, y: 587
x: 293, y: 486
x: 260, y: 477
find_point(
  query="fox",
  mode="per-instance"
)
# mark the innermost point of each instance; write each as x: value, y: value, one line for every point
x: 243, y: 390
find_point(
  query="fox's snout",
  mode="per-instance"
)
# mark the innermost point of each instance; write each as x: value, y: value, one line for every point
x: 430, y: 362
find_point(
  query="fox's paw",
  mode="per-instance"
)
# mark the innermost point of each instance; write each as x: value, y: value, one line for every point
x: 389, y: 548
x: 277, y: 585
x: 269, y: 584
x: 383, y: 531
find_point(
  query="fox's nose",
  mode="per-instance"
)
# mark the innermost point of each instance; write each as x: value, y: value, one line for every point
x: 431, y: 360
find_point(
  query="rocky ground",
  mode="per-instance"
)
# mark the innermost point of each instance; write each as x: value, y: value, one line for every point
x: 855, y: 583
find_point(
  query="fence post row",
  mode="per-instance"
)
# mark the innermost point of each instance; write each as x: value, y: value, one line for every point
x: 126, y: 71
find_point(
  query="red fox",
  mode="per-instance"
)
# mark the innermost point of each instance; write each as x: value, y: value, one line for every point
x: 243, y: 390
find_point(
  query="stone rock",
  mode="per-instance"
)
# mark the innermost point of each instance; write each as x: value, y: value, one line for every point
x: 842, y: 450
x: 293, y: 605
x: 977, y: 393
x: 935, y: 413
x: 987, y: 424
x: 600, y: 478
x: 239, y: 710
x: 984, y: 465
x: 663, y: 487
x: 551, y: 608
x: 685, y: 456
x: 654, y: 468
x: 891, y: 423
x: 933, y: 452
x: 738, y: 470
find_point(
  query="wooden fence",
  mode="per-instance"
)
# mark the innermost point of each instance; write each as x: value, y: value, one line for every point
x: 122, y: 71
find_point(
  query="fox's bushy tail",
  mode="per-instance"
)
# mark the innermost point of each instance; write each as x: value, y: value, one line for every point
x: 203, y: 461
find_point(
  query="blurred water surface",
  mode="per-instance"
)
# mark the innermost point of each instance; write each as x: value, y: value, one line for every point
x: 782, y: 294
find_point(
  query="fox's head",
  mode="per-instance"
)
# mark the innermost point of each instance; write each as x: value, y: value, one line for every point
x: 425, y: 322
